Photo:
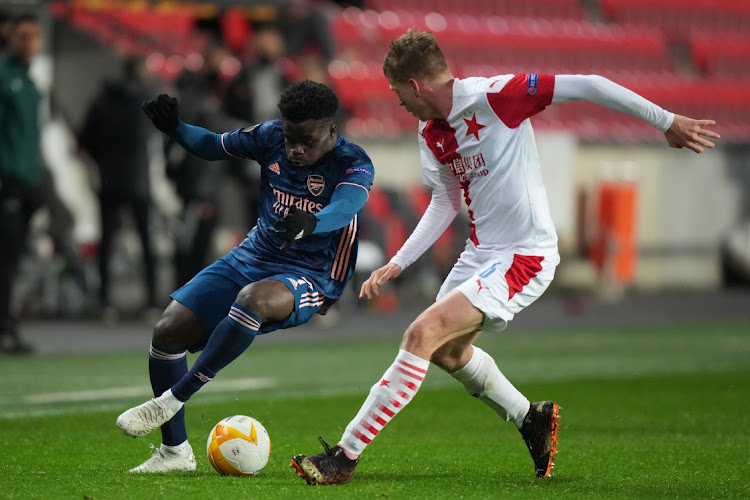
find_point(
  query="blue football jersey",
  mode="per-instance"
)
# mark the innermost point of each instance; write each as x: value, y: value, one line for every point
x: 328, y: 258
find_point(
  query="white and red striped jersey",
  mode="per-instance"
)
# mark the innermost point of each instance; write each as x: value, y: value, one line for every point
x: 486, y: 149
x: 485, y: 153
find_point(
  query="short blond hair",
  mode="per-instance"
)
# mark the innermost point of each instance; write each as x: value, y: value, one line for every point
x: 415, y: 54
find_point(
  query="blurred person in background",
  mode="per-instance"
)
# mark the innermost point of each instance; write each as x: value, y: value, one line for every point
x: 312, y: 67
x: 196, y: 180
x: 251, y: 97
x: 306, y: 30
x: 115, y: 136
x: 61, y: 230
x: 63, y: 173
x: 20, y: 164
x: 294, y: 263
x: 476, y: 143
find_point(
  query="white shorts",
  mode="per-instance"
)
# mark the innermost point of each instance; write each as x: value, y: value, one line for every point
x: 500, y: 284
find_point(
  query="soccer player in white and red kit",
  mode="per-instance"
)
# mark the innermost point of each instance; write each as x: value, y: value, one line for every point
x: 476, y: 143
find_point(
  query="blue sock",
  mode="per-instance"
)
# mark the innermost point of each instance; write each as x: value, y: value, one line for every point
x: 229, y: 339
x: 166, y: 367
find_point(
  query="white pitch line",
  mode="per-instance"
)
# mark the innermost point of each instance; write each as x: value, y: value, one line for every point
x: 112, y: 405
x: 137, y: 391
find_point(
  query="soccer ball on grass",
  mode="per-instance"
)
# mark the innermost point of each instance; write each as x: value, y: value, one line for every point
x: 238, y: 446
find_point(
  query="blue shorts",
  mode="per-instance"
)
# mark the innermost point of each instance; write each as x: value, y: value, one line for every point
x: 212, y: 292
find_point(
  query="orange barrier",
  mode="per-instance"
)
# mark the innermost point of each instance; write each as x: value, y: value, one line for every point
x: 614, y: 248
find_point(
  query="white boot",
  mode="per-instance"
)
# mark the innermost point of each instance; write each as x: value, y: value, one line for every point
x: 142, y: 419
x: 168, y: 458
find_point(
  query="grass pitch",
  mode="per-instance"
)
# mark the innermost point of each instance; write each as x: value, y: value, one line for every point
x: 647, y: 413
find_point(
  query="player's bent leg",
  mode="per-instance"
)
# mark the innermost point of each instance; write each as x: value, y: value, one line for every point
x: 255, y: 304
x: 398, y: 385
x: 537, y: 422
x: 500, y: 290
x: 168, y: 459
x: 440, y: 323
x: 539, y: 431
x: 270, y: 299
x: 175, y: 331
x: 330, y: 467
x: 178, y: 328
x: 483, y: 380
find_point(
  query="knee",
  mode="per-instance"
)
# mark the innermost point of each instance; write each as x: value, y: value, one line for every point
x: 166, y: 334
x: 253, y: 299
x: 176, y: 331
x: 421, y: 338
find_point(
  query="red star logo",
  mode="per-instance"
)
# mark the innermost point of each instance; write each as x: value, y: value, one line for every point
x: 385, y: 383
x: 474, y: 127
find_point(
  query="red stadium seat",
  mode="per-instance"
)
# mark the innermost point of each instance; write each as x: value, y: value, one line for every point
x: 719, y: 55
x: 544, y: 9
x: 484, y: 46
x: 526, y: 43
x: 679, y: 19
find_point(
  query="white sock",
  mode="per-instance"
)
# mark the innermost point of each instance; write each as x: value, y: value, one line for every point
x: 170, y: 401
x: 483, y: 380
x: 388, y: 396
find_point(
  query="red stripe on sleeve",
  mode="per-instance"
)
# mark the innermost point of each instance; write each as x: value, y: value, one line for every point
x: 517, y: 100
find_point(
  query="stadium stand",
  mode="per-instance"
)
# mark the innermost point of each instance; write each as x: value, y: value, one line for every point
x: 638, y: 46
x: 548, y: 9
x: 679, y: 19
x: 718, y: 55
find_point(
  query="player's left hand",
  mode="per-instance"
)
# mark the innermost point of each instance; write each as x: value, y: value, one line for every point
x: 164, y: 112
x: 379, y: 277
x: 689, y: 133
x: 294, y: 226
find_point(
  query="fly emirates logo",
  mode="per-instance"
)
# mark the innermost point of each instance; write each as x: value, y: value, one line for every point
x: 467, y: 168
x: 286, y: 200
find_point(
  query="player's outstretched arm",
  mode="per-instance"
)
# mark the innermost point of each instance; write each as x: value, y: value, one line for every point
x: 379, y: 277
x: 689, y: 133
x: 680, y: 131
x: 164, y: 112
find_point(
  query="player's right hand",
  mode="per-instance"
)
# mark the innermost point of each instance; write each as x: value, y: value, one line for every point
x: 379, y: 277
x: 689, y: 133
x: 163, y: 111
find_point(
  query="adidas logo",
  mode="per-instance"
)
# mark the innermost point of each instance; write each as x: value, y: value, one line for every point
x: 275, y: 168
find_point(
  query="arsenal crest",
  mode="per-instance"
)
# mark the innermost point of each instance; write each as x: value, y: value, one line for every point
x: 316, y: 184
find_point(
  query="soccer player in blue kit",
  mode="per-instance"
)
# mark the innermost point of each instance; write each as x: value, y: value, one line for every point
x: 294, y: 263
